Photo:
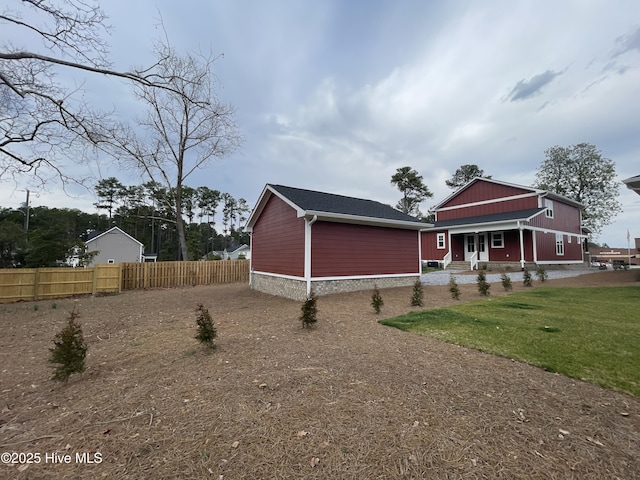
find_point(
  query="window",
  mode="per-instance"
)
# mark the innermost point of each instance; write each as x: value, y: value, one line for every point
x: 559, y: 244
x: 548, y: 204
x: 568, y: 238
x: 497, y: 240
x: 441, y: 241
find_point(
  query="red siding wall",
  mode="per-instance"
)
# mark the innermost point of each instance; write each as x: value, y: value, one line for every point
x: 489, y: 208
x: 482, y: 190
x: 565, y: 218
x: 429, y: 245
x: 277, y: 242
x: 511, y: 250
x: 546, y: 248
x: 340, y: 249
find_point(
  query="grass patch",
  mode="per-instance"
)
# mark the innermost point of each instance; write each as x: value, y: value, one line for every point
x: 586, y: 333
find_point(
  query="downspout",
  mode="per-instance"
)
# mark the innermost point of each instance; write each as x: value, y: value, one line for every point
x: 521, y: 246
x: 307, y: 252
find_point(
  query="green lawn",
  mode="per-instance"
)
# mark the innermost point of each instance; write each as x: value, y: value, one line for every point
x: 586, y: 333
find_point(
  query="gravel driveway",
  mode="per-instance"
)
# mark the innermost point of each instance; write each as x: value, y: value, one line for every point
x: 442, y: 277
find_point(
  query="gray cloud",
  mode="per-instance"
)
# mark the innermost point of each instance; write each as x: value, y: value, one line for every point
x: 627, y: 43
x: 530, y: 88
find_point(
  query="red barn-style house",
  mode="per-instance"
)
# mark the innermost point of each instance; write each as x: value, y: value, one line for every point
x: 303, y: 240
x: 492, y: 222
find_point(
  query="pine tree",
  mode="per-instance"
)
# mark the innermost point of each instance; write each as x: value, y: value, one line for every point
x: 453, y: 288
x: 206, y: 331
x: 483, y: 285
x: 309, y: 311
x: 418, y: 294
x: 542, y: 274
x: 376, y: 299
x: 526, y: 278
x: 70, y: 350
x: 506, y: 282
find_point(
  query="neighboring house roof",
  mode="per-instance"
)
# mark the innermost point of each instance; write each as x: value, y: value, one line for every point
x: 337, y: 208
x: 633, y: 183
x: 237, y: 247
x: 520, y: 215
x: 536, y: 191
x: 113, y: 229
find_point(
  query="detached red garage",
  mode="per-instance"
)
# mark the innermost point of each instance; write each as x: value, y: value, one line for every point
x: 303, y: 240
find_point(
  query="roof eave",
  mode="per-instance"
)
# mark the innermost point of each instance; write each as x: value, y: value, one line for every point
x: 358, y: 219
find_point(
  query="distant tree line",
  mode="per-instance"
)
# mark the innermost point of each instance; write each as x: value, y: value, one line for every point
x: 145, y: 212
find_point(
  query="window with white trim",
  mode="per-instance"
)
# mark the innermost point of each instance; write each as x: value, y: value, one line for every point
x: 559, y: 244
x: 548, y: 204
x: 497, y: 240
x: 568, y: 238
x: 440, y: 241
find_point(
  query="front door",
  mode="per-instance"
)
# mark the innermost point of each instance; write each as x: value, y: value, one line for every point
x: 476, y: 243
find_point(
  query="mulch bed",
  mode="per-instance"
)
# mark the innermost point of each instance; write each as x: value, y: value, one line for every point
x: 347, y: 399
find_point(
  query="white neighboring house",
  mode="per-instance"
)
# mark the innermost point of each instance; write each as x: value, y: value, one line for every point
x: 242, y: 251
x: 114, y: 246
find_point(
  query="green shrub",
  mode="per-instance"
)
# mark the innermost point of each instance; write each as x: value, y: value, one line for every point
x: 506, y: 282
x: 376, y: 299
x: 542, y: 274
x: 309, y: 311
x: 206, y: 331
x: 417, y: 298
x: 453, y: 288
x: 70, y: 350
x: 483, y: 285
x: 526, y: 278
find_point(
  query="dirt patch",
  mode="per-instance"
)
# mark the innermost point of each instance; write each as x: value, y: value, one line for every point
x: 348, y: 399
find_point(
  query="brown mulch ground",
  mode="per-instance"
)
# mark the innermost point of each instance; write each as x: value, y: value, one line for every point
x: 348, y: 399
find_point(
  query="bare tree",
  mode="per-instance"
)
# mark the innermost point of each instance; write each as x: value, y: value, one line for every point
x: 185, y: 128
x: 43, y: 124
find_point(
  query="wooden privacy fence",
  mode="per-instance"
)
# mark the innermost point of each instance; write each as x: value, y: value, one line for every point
x: 178, y: 274
x: 41, y: 283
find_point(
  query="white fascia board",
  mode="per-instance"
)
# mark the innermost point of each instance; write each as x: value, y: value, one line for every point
x: 267, y: 191
x: 360, y: 220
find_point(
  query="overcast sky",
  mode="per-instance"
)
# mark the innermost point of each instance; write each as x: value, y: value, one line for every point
x: 336, y: 95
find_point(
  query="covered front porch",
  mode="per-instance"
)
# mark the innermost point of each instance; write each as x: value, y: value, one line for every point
x: 468, y: 249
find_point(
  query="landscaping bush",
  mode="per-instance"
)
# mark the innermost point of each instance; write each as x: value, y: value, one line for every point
x: 309, y: 311
x: 376, y: 299
x: 417, y: 298
x: 70, y: 350
x: 206, y: 331
x: 483, y: 285
x: 526, y: 278
x: 542, y: 274
x: 506, y: 282
x: 453, y: 288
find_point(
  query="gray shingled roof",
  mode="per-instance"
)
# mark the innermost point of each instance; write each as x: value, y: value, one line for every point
x: 313, y: 201
x: 492, y: 218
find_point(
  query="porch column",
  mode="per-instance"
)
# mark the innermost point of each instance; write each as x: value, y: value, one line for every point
x: 521, y: 246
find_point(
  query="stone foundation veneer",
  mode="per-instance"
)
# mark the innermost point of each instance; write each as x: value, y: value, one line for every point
x: 297, y: 289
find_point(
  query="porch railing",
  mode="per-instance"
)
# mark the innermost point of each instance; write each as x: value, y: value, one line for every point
x: 446, y: 260
x: 474, y: 261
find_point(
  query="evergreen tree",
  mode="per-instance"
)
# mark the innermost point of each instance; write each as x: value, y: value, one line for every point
x: 417, y: 298
x: 376, y: 299
x: 70, y: 350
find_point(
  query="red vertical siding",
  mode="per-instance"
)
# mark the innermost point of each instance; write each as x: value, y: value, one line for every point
x: 566, y: 218
x: 340, y: 249
x: 277, y: 241
x: 457, y: 248
x: 511, y: 250
x: 489, y: 208
x: 546, y: 248
x: 429, y: 245
x: 482, y: 190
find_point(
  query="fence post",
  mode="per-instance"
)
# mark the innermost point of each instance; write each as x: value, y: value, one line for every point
x: 120, y: 278
x: 94, y: 282
x: 36, y: 284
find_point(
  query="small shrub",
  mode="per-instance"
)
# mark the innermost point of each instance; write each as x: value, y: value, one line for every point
x: 526, y: 278
x: 206, y: 330
x: 506, y: 282
x: 309, y: 311
x: 35, y: 307
x: 70, y: 350
x: 376, y: 299
x: 417, y: 298
x: 542, y: 274
x: 54, y: 305
x: 483, y: 285
x: 453, y: 288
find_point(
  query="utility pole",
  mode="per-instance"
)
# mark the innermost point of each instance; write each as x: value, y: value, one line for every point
x: 26, y: 214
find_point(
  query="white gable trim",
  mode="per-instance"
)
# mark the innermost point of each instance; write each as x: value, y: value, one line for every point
x: 110, y: 231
